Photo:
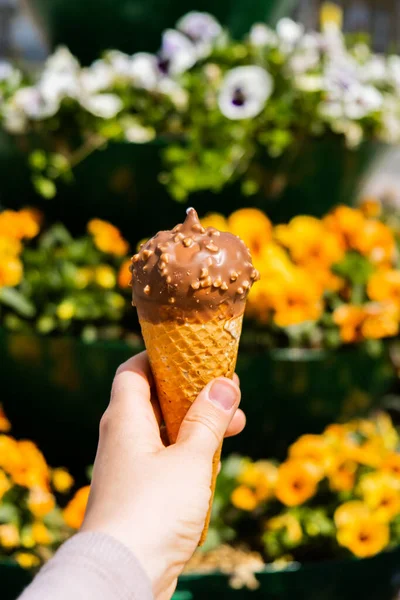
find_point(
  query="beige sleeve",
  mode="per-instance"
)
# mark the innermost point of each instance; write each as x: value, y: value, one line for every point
x: 91, y: 566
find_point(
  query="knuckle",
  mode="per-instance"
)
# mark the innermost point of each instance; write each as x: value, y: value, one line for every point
x: 206, y: 421
x: 105, y: 424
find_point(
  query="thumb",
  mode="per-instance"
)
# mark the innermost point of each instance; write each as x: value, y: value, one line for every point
x: 209, y: 416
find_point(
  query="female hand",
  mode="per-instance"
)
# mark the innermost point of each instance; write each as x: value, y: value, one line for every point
x: 152, y: 498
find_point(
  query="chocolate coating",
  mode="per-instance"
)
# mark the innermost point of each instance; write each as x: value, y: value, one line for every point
x: 192, y: 270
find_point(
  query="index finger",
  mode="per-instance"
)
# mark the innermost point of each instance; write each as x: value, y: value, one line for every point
x: 130, y: 406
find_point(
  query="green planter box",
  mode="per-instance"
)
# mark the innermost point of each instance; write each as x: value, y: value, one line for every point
x: 377, y: 578
x: 56, y: 389
x: 135, y: 25
x: 13, y: 580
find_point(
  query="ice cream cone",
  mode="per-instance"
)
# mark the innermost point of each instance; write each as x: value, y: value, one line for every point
x: 190, y: 287
x: 184, y: 357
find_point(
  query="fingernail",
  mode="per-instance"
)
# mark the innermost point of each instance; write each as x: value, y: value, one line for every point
x: 223, y: 394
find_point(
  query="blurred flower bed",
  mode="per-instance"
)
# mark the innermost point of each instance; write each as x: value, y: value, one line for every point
x: 37, y: 508
x: 324, y: 282
x: 223, y: 105
x: 336, y: 495
x: 59, y: 284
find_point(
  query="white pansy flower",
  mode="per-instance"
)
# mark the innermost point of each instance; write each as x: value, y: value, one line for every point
x: 177, y: 54
x: 244, y: 92
x: 333, y: 44
x: 362, y: 100
x: 31, y: 102
x: 374, y: 70
x: 105, y: 106
x: 98, y: 77
x: 202, y: 29
x: 260, y: 35
x: 120, y: 62
x: 55, y: 86
x: 62, y: 61
x: 356, y: 102
x: 144, y: 71
x: 6, y: 70
x: 301, y: 62
x: 340, y: 75
x: 289, y: 33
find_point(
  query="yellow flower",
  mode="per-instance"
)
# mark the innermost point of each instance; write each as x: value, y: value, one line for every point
x: 41, y: 534
x: 26, y: 560
x: 297, y: 300
x: 331, y: 15
x: 11, y: 271
x: 124, y: 275
x: 75, y: 511
x: 32, y: 471
x: 289, y: 522
x: 107, y: 238
x: 365, y: 537
x: 380, y: 321
x: 66, y: 310
x: 336, y: 432
x: 215, y: 220
x: 62, y: 480
x: 391, y: 464
x: 5, y: 484
x: 375, y: 241
x: 384, y: 285
x: 260, y: 477
x: 371, y: 207
x: 105, y: 277
x: 9, y: 536
x: 349, y: 318
x: 83, y: 277
x: 345, y: 222
x: 387, y: 432
x: 297, y: 482
x: 244, y: 498
x: 371, y: 453
x: 315, y: 449
x: 342, y: 474
x: 253, y: 227
x: 40, y: 502
x: 381, y: 492
x: 310, y: 243
x: 5, y: 424
x: 19, y: 224
x: 350, y: 512
x: 10, y: 456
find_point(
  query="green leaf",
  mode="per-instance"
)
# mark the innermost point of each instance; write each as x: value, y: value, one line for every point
x: 15, y: 300
x: 45, y: 187
x: 38, y: 160
x: 354, y: 267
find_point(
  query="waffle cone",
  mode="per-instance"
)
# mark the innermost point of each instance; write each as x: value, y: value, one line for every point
x: 184, y: 357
